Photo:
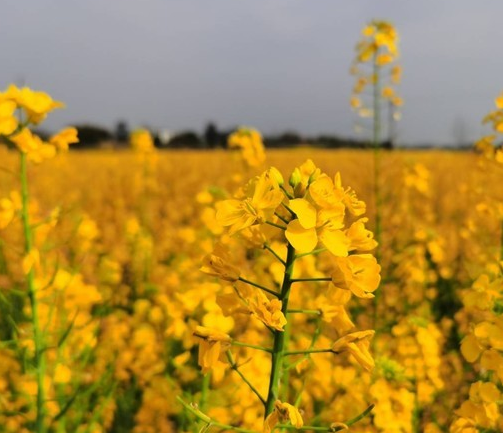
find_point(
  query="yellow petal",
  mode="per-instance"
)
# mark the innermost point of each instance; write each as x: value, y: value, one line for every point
x: 335, y: 241
x: 303, y: 240
x: 305, y: 211
x: 470, y: 348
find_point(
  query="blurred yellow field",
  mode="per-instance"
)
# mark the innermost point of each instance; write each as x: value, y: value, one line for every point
x: 122, y: 236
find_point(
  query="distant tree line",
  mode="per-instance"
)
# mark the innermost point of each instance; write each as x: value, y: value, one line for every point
x: 95, y: 136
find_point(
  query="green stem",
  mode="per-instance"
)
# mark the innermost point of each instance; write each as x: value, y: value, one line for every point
x: 501, y: 241
x: 285, y: 376
x: 279, y: 226
x: 307, y: 351
x: 287, y: 193
x: 330, y: 429
x: 279, y: 336
x: 314, y: 338
x: 251, y: 346
x: 282, y: 218
x: 298, y: 280
x: 209, y: 422
x: 300, y: 311
x: 39, y: 349
x: 377, y: 169
x: 235, y: 367
x: 319, y: 250
x: 265, y: 289
x: 204, y: 391
x: 275, y: 254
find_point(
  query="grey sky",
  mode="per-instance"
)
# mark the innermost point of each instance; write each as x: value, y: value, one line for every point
x: 272, y: 64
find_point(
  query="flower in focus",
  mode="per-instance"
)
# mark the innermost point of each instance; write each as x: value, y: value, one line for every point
x: 263, y: 197
x: 268, y: 311
x: 358, y: 273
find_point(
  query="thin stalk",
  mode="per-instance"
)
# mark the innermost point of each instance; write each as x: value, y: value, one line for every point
x: 205, y: 390
x: 377, y: 170
x: 281, y: 217
x: 235, y: 367
x: 287, y: 193
x: 210, y: 422
x: 377, y: 147
x: 314, y: 338
x: 349, y: 423
x: 251, y: 346
x: 289, y: 209
x: 308, y: 351
x: 275, y: 254
x: 279, y: 336
x: 298, y: 280
x: 259, y: 286
x: 300, y: 311
x: 279, y: 226
x: 38, y: 337
x: 501, y: 241
x: 319, y: 250
x: 285, y: 376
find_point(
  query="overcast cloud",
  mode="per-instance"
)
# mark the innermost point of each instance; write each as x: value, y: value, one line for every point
x: 273, y: 64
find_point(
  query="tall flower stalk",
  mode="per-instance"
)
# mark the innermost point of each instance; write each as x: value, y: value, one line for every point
x: 40, y: 361
x: 32, y: 108
x: 375, y: 66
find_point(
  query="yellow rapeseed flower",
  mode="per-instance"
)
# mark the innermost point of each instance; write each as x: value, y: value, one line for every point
x: 283, y: 412
x: 250, y: 142
x: 358, y: 273
x: 218, y: 264
x: 212, y: 344
x: 263, y: 197
x: 35, y: 104
x: 63, y: 138
x: 357, y: 344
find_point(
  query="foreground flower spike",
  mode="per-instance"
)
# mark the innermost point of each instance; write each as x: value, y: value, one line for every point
x: 314, y: 215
